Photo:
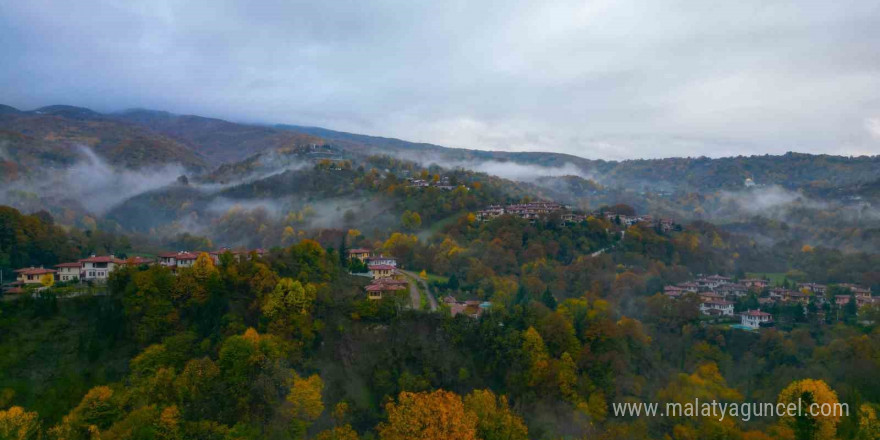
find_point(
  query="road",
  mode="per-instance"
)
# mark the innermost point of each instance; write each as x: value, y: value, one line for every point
x: 414, y: 291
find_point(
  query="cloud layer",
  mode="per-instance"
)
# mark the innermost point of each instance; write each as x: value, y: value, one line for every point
x: 600, y: 79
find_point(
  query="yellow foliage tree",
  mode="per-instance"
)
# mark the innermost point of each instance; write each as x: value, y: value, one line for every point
x: 344, y: 432
x: 810, y: 392
x: 806, y: 248
x: 495, y: 420
x: 47, y: 280
x: 204, y: 267
x: 438, y: 415
x: 289, y: 296
x: 869, y: 426
x: 423, y: 274
x: 305, y: 397
x: 18, y: 424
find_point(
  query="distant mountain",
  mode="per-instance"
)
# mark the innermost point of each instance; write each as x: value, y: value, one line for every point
x: 416, y: 151
x: 67, y: 111
x: 52, y: 137
x: 217, y: 140
x: 6, y: 109
x: 137, y: 137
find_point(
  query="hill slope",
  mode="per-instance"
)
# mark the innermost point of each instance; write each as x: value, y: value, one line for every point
x: 52, y: 137
x: 217, y: 140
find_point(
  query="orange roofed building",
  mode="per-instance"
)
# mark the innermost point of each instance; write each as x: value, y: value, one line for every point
x: 32, y: 275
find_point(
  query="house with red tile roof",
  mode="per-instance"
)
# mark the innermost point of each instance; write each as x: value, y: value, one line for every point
x: 359, y: 253
x: 381, y: 270
x: 177, y: 259
x: 98, y: 268
x: 69, y: 271
x: 32, y: 275
x: 755, y: 319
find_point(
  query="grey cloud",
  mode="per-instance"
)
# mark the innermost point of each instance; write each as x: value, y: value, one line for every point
x: 599, y: 79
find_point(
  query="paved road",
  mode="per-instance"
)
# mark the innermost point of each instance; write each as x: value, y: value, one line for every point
x: 414, y: 291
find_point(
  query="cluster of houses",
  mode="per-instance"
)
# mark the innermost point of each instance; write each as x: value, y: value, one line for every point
x: 534, y: 210
x: 717, y: 294
x: 386, y: 279
x: 528, y: 211
x: 97, y: 268
x: 665, y: 224
x: 442, y: 183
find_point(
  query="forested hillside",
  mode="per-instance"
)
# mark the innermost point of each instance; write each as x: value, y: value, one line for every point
x: 287, y: 345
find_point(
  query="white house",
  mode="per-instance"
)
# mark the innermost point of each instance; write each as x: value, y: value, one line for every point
x: 69, y: 271
x: 382, y: 260
x: 717, y: 307
x: 178, y: 259
x: 754, y: 318
x: 99, y: 268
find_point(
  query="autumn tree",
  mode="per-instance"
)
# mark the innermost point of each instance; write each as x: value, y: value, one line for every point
x: 18, y: 424
x: 47, y: 280
x: 806, y: 426
x: 869, y: 425
x: 495, y: 420
x: 305, y: 401
x: 289, y: 297
x: 437, y: 415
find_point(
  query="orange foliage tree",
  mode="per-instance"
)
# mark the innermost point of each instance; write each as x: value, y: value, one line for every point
x: 438, y: 415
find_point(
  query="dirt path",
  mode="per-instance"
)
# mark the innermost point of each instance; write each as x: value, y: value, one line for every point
x: 414, y: 291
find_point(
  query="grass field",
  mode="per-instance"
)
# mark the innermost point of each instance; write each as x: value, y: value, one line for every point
x: 774, y: 277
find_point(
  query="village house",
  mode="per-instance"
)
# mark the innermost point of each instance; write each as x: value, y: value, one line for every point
x: 716, y: 307
x: 712, y: 281
x: 690, y: 287
x: 236, y: 254
x: 32, y: 275
x: 98, y: 268
x: 490, y: 213
x: 812, y: 287
x: 779, y: 293
x: 360, y: 253
x: 139, y: 261
x: 861, y: 301
x: 674, y: 291
x: 381, y: 270
x: 737, y: 290
x: 381, y: 260
x: 754, y: 283
x: 856, y: 289
x: 174, y: 260
x: 794, y: 296
x: 754, y: 319
x: 380, y: 287
x: 69, y: 271
x: 471, y: 309
x: 710, y: 296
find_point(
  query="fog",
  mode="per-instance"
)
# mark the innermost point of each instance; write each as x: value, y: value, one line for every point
x: 506, y: 169
x: 93, y: 183
x: 768, y: 200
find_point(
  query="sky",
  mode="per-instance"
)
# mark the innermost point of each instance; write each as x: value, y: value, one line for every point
x: 617, y: 79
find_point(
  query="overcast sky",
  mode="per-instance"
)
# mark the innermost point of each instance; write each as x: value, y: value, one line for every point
x: 599, y: 79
